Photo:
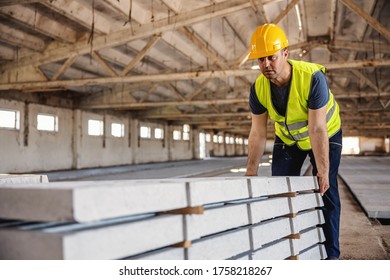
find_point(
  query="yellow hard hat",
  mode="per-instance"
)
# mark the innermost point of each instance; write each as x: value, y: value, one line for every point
x: 267, y: 40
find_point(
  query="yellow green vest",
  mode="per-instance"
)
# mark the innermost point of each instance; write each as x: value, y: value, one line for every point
x: 293, y: 128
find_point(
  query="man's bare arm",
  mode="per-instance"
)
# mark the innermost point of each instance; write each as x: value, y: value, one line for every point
x: 319, y: 140
x: 256, y: 143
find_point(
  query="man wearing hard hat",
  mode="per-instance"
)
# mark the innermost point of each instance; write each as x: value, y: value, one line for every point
x: 295, y: 94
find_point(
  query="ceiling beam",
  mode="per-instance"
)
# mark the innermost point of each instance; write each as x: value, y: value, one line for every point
x: 357, y: 73
x: 285, y: 11
x: 211, y: 53
x: 369, y: 19
x: 205, y: 115
x: 80, y: 14
x: 176, y: 92
x: 39, y: 22
x: 136, y: 32
x: 358, y: 94
x: 4, y: 3
x: 99, y: 59
x: 176, y: 76
x: 371, y: 46
x: 258, y: 8
x: 131, y: 105
x: 63, y: 67
x: 141, y: 54
x: 17, y: 38
x: 7, y: 53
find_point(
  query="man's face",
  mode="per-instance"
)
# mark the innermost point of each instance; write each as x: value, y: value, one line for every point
x: 271, y: 66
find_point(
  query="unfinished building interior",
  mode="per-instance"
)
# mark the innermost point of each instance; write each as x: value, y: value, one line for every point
x: 90, y: 89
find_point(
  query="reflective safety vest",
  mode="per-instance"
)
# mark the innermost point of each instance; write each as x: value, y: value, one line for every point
x: 293, y: 128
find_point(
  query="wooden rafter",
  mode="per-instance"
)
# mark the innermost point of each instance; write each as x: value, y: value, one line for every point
x: 129, y: 105
x: 80, y: 14
x: 15, y: 37
x: 177, y: 76
x: 369, y: 19
x: 357, y: 73
x: 176, y: 92
x: 104, y: 64
x: 137, y: 32
x: 141, y: 54
x: 40, y: 22
x: 285, y: 11
x: 63, y: 67
x: 4, y: 3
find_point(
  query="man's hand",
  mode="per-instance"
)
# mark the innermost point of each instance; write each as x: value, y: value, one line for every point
x: 323, y: 182
x: 250, y: 173
x: 256, y: 143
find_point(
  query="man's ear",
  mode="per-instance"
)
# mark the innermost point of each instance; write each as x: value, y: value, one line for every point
x: 285, y: 53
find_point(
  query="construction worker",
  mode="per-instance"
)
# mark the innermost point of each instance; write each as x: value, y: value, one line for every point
x: 295, y: 94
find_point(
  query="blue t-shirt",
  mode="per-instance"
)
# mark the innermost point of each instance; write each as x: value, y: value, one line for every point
x: 318, y: 96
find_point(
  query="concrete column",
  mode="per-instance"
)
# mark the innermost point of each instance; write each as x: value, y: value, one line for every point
x: 76, y: 137
x: 135, y: 138
x: 169, y: 140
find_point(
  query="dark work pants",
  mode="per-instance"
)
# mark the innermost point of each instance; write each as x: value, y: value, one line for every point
x: 288, y: 161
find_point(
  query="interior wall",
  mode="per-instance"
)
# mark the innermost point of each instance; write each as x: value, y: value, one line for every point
x: 372, y: 145
x: 28, y: 149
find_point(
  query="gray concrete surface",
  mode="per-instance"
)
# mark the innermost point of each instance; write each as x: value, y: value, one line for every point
x: 361, y: 237
x: 368, y: 178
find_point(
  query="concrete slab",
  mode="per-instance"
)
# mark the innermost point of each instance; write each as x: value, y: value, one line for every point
x: 267, y: 232
x: 306, y: 201
x: 269, y: 208
x: 265, y: 186
x: 317, y: 252
x: 22, y: 179
x: 307, y: 239
x: 89, y: 200
x: 307, y: 219
x: 302, y: 183
x: 217, y: 190
x: 215, y: 247
x: 279, y: 250
x: 100, y: 240
x: 169, y: 253
x: 218, y: 220
x: 368, y: 179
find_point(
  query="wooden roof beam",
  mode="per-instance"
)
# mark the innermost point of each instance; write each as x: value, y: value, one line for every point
x: 178, y: 76
x: 141, y: 54
x: 129, y: 34
x: 369, y: 19
x: 285, y: 11
x: 357, y: 73
x: 63, y: 67
x: 4, y: 3
x: 39, y: 22
x: 132, y: 105
x: 80, y: 14
x: 15, y: 37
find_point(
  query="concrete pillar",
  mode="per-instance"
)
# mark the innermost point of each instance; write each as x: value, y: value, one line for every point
x: 76, y: 137
x: 169, y: 140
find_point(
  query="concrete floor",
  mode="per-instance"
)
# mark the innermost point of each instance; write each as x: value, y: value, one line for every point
x: 361, y: 237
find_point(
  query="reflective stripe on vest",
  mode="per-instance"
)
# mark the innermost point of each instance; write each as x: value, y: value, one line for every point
x: 299, y: 125
x: 293, y: 127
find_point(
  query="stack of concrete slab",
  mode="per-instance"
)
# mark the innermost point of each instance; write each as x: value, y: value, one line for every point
x: 198, y: 218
